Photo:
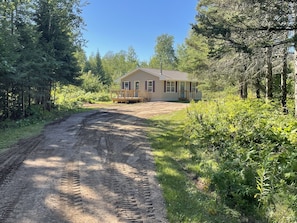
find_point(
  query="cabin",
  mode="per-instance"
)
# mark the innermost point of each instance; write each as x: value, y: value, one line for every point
x: 146, y: 84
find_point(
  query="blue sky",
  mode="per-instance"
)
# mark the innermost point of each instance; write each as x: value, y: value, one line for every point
x: 114, y: 25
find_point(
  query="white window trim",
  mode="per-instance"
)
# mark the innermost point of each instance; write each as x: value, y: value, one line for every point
x: 150, y: 88
x: 171, y: 87
x: 194, y: 87
x: 126, y: 87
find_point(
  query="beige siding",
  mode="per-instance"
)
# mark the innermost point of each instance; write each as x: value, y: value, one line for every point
x: 142, y: 77
x: 159, y: 94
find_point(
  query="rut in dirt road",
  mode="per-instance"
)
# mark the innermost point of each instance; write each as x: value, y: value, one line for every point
x: 92, y: 167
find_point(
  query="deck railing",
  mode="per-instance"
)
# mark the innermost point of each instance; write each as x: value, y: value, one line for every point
x: 127, y: 96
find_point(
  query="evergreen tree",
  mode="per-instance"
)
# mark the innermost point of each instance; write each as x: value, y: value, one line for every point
x: 94, y: 64
x: 250, y: 28
x: 57, y: 23
x: 193, y: 55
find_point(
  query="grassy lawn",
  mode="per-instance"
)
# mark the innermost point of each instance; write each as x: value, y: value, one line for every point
x: 187, y: 198
x: 12, y: 131
x: 11, y: 136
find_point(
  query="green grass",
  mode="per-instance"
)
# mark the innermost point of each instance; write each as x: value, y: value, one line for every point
x: 12, y: 135
x: 185, y: 201
x: 12, y: 131
x: 227, y: 161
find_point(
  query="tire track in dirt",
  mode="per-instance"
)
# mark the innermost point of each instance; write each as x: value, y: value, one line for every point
x: 91, y: 167
x: 10, y: 161
x: 128, y: 176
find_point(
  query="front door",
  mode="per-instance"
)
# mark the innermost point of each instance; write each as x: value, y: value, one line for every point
x: 182, y: 89
x: 136, y: 88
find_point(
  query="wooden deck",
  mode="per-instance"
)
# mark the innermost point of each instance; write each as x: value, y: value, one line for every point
x: 134, y: 96
x: 128, y: 96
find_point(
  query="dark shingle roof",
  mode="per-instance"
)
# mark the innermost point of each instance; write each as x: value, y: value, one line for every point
x: 166, y: 74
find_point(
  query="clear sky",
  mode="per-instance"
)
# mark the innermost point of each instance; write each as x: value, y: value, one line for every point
x: 114, y: 25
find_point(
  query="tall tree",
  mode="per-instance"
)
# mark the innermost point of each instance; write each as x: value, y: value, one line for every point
x: 132, y: 59
x: 118, y: 64
x: 114, y: 64
x: 193, y: 55
x: 37, y: 42
x: 10, y: 13
x: 164, y: 52
x: 94, y: 64
x: 58, y: 22
x: 249, y: 26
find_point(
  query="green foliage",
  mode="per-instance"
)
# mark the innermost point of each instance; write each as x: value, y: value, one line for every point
x: 164, y: 53
x: 94, y: 66
x: 248, y: 43
x: 176, y: 171
x: 118, y: 64
x: 91, y: 82
x: 193, y: 56
x: 37, y: 44
x: 12, y: 131
x: 71, y: 97
x: 251, y: 146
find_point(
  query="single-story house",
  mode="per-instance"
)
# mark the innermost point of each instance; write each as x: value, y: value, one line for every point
x: 158, y: 85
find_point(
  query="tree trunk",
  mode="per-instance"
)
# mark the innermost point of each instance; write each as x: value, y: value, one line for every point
x: 243, y: 89
x: 295, y: 60
x: 258, y: 86
x: 23, y: 105
x: 284, y: 77
x: 269, y: 93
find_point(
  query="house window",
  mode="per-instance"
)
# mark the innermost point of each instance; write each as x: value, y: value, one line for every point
x: 150, y: 86
x: 126, y: 85
x: 170, y: 86
x: 194, y: 87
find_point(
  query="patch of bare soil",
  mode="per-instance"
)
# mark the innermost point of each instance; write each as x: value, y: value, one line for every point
x: 92, y: 167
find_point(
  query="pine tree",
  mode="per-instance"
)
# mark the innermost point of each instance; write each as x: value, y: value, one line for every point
x: 57, y: 23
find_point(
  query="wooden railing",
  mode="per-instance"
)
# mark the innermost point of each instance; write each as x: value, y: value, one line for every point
x: 127, y: 96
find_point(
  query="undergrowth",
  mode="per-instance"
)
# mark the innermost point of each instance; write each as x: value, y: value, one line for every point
x: 227, y: 161
x: 11, y: 131
x: 184, y: 201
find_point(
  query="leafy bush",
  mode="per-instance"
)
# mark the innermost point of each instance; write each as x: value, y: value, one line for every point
x: 247, y: 150
x: 91, y: 82
x: 73, y: 97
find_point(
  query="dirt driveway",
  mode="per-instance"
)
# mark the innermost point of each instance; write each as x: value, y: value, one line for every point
x: 92, y: 167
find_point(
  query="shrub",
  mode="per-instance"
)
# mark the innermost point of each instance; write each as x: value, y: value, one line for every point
x: 253, y: 147
x: 72, y: 97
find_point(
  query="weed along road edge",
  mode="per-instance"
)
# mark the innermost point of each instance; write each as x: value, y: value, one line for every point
x: 92, y: 167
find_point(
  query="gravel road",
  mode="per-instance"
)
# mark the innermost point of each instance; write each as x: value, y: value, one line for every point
x: 92, y: 167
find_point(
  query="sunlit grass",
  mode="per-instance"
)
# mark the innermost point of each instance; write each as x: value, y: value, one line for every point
x: 175, y: 168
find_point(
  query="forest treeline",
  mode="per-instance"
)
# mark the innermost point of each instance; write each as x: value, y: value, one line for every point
x: 243, y: 44
x: 253, y: 42
x: 37, y: 44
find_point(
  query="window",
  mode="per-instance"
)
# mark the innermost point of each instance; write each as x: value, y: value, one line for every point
x: 170, y: 86
x: 126, y: 85
x: 194, y: 87
x: 150, y: 86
